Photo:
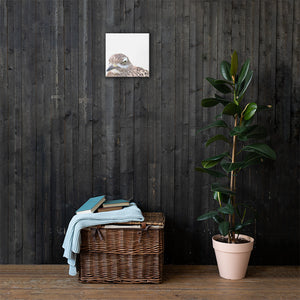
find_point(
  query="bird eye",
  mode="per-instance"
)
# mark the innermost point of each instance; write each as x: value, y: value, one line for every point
x: 125, y: 59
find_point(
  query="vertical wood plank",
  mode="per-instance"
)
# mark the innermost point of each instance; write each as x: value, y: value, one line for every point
x: 267, y: 52
x: 210, y: 69
x: 98, y: 87
x: 281, y: 137
x: 182, y: 134
x: 4, y: 154
x: 295, y: 109
x: 112, y: 110
x: 57, y: 131
x: 140, y: 118
x: 266, y: 87
x: 43, y: 135
x: 238, y: 28
x: 295, y: 127
x: 71, y: 100
x: 126, y: 112
x: 154, y: 108
x: 252, y: 45
x: 194, y: 48
x: 187, y: 210
x: 180, y: 207
x: 284, y: 49
x: 168, y: 36
x: 28, y: 130
x: 85, y: 100
x: 147, y: 88
x: 14, y: 90
x: 224, y: 33
x: 199, y: 77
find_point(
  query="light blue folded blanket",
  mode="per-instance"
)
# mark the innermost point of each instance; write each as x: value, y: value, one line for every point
x: 72, y: 239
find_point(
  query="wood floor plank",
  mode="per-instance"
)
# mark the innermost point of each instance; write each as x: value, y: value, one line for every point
x: 181, y: 282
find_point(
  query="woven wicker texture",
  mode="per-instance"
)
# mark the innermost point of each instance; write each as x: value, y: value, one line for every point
x: 151, y: 218
x: 123, y: 255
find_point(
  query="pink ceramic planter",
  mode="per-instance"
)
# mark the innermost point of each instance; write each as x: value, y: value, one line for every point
x: 233, y: 259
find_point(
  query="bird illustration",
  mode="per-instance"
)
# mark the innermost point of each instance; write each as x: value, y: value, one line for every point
x: 120, y: 66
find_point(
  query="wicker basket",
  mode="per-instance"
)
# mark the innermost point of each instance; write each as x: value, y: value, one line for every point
x: 123, y: 253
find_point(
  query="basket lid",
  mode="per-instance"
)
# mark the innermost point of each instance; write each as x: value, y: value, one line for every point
x: 151, y: 218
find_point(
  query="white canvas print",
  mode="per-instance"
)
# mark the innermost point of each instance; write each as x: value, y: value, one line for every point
x: 127, y: 54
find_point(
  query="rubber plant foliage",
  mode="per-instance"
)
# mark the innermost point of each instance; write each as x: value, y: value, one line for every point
x: 241, y: 149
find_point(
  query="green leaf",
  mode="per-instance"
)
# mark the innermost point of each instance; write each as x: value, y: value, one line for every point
x: 221, y: 87
x: 238, y: 130
x: 209, y: 102
x: 245, y: 85
x: 231, y: 109
x: 228, y: 167
x: 224, y: 228
x: 227, y: 209
x: 238, y: 211
x: 250, y: 110
x: 218, y: 137
x: 238, y: 227
x: 218, y: 123
x: 218, y: 219
x: 211, y: 172
x: 209, y: 164
x: 208, y: 215
x: 251, y: 159
x: 244, y: 71
x: 220, y: 81
x: 257, y: 133
x: 234, y: 64
x: 214, y: 160
x: 216, y: 187
x: 220, y: 97
x: 223, y: 100
x: 225, y: 70
x: 246, y: 132
x: 261, y: 149
x: 218, y: 116
x: 247, y: 123
x: 222, y: 197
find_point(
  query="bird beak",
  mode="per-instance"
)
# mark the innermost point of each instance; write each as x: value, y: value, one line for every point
x: 111, y: 67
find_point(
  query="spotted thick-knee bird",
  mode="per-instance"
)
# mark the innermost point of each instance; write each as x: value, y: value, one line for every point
x: 120, y: 66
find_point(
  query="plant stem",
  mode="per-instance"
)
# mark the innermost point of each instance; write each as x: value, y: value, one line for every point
x: 233, y: 181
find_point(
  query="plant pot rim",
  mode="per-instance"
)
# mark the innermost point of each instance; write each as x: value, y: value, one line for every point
x: 233, y: 248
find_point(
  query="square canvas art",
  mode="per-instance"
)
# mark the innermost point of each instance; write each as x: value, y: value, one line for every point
x: 127, y: 54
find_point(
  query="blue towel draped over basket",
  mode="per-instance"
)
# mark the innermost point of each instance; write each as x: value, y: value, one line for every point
x: 72, y: 239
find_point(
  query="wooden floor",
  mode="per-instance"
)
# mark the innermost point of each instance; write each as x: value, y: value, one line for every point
x: 182, y: 282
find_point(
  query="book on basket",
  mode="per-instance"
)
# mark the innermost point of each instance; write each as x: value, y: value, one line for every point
x: 91, y: 205
x: 102, y: 209
x: 113, y: 203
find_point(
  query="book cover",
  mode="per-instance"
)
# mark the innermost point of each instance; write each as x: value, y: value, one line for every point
x: 91, y: 205
x: 112, y: 203
x: 102, y: 209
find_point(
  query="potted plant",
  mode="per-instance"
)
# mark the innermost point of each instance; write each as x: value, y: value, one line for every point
x: 233, y: 249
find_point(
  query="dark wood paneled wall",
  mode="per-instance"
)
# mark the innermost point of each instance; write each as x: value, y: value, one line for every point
x: 68, y: 133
